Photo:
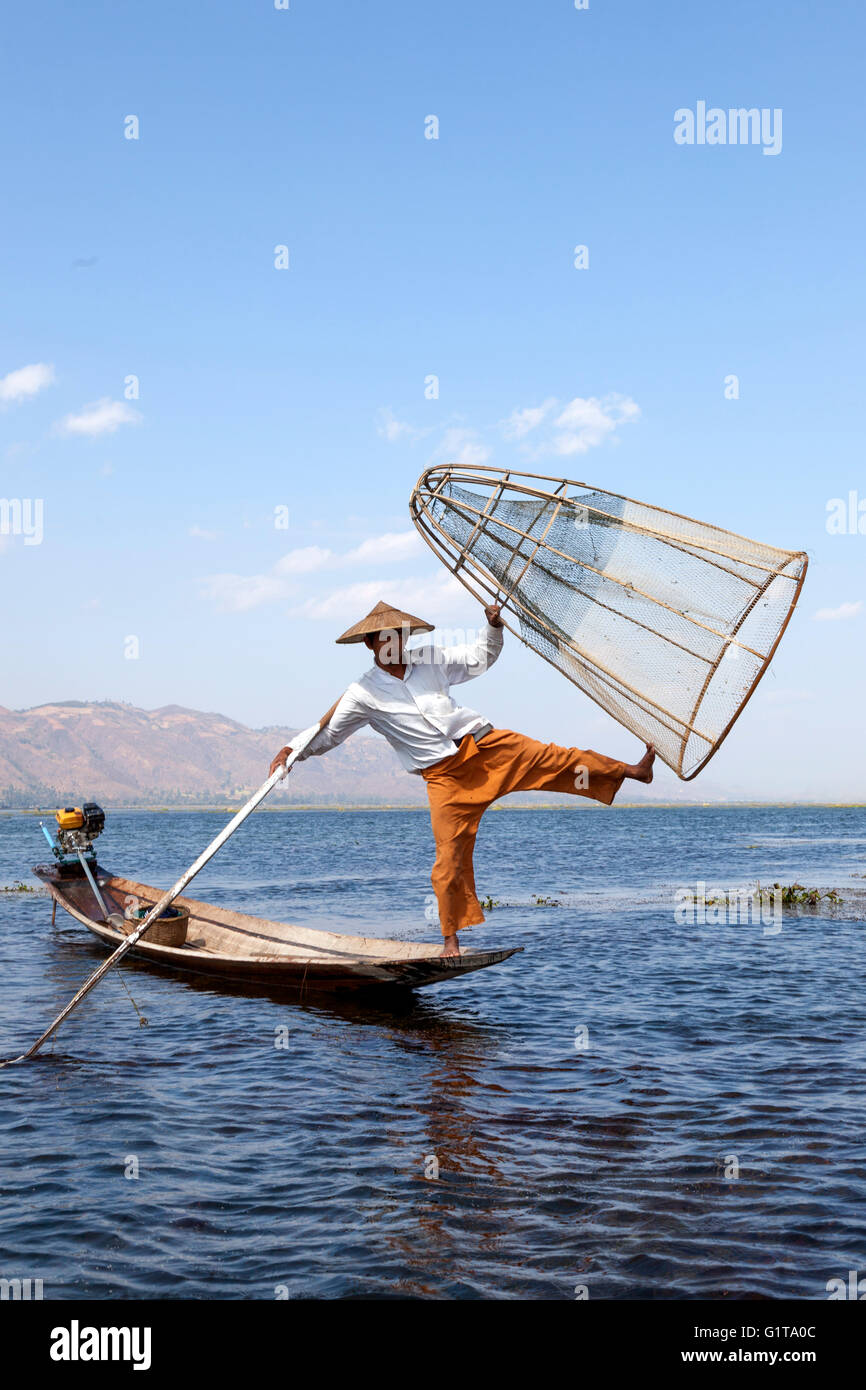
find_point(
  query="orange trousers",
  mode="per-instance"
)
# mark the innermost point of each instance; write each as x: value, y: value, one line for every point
x: 461, y: 788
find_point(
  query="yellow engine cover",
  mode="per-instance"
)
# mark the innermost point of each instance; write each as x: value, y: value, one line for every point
x: 70, y: 818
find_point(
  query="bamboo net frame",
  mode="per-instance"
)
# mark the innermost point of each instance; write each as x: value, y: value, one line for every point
x: 666, y: 622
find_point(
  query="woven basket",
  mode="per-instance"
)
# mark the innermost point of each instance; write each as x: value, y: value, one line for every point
x: 168, y: 930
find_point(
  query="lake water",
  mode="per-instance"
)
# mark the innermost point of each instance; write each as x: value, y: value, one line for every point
x: 638, y: 1106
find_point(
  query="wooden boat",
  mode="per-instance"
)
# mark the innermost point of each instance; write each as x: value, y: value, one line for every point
x: 234, y: 946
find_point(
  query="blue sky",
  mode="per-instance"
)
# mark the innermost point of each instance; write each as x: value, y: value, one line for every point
x: 305, y: 388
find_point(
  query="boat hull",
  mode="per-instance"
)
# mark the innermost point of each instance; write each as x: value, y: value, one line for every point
x: 237, y: 947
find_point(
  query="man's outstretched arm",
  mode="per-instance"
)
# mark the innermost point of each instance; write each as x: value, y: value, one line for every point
x: 474, y: 658
x: 348, y: 716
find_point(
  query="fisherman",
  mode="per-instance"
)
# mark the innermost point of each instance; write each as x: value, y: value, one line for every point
x: 466, y: 763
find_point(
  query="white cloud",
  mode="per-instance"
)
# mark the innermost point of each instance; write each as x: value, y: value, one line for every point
x: 392, y: 429
x: 394, y: 545
x: 238, y: 593
x: 26, y: 382
x: 436, y: 597
x: 520, y: 422
x: 588, y: 421
x: 200, y: 534
x: 20, y: 449
x: 845, y: 610
x: 304, y: 560
x: 581, y: 424
x: 101, y: 417
x: 460, y: 445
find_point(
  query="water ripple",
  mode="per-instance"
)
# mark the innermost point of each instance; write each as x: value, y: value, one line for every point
x: 647, y: 1109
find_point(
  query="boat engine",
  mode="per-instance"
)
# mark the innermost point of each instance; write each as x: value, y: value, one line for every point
x: 77, y: 828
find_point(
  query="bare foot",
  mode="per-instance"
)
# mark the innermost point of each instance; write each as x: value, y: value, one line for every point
x: 643, y: 771
x: 452, y: 946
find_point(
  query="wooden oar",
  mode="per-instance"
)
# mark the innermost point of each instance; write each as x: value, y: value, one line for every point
x: 172, y: 893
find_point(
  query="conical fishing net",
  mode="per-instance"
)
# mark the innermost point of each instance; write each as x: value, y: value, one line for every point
x: 667, y: 623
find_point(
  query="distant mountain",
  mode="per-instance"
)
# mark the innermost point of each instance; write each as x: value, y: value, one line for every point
x: 74, y: 751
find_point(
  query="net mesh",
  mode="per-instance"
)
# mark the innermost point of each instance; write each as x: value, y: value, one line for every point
x: 666, y: 622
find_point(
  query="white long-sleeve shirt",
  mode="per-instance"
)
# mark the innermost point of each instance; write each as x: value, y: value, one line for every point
x: 416, y: 714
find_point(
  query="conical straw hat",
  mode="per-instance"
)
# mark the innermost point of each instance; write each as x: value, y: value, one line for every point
x: 384, y: 617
